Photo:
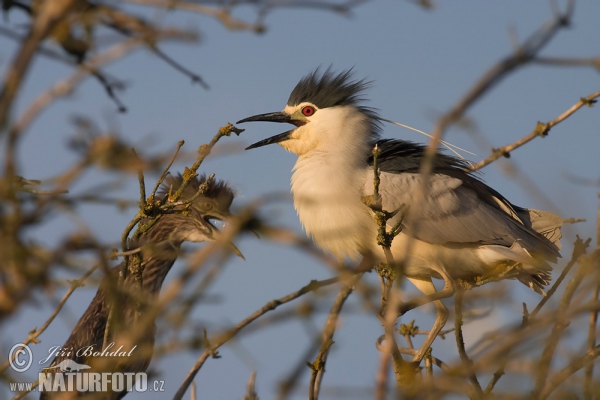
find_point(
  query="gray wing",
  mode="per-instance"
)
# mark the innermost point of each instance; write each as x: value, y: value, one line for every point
x: 455, y: 213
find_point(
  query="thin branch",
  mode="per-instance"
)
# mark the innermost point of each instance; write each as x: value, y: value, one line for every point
x: 412, y: 352
x: 381, y: 380
x: 221, y: 14
x: 215, y: 344
x: 166, y: 170
x: 391, y: 273
x: 568, y: 62
x: 49, y: 15
x: 521, y: 56
x: 562, y: 375
x: 318, y: 366
x: 579, y: 249
x: 541, y: 130
x: 251, y: 388
x: 141, y: 180
x: 560, y: 325
x: 35, y: 332
x: 591, y: 342
x: 60, y: 89
x: 460, y: 343
x: 288, y: 384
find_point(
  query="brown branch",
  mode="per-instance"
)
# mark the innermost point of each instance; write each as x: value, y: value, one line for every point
x: 318, y: 366
x: 220, y: 14
x: 36, y: 332
x: 521, y: 56
x: 391, y: 273
x: 251, y: 388
x: 560, y: 324
x: 381, y: 380
x: 58, y: 90
x: 562, y: 375
x: 460, y: 344
x: 579, y: 249
x: 568, y: 62
x: 287, y: 385
x: 215, y: 344
x: 50, y: 13
x: 541, y: 130
x: 591, y: 342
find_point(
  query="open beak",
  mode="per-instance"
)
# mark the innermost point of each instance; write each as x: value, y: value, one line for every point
x: 225, y: 217
x: 270, y: 117
x: 278, y: 116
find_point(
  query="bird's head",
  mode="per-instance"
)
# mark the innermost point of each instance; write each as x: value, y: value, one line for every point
x: 196, y: 225
x: 326, y: 110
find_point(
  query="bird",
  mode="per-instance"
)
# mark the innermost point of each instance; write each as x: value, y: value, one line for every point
x: 462, y: 229
x: 160, y: 247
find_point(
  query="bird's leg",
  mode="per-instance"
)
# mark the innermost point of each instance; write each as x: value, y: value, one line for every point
x: 427, y: 288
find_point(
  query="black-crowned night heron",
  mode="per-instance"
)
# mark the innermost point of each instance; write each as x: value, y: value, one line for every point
x: 160, y: 248
x: 462, y: 229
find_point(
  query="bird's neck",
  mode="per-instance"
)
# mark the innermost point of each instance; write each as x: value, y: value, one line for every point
x: 159, y: 253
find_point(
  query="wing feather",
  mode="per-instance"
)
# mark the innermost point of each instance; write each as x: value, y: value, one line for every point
x: 454, y: 213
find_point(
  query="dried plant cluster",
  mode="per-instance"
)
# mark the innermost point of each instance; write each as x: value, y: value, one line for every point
x: 27, y: 268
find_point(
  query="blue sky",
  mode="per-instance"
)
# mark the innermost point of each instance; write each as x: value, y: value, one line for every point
x: 421, y: 62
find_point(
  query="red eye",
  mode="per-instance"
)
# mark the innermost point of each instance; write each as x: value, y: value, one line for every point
x: 308, y: 111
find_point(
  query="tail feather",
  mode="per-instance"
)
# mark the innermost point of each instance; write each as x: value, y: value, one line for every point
x: 548, y: 224
x: 544, y: 222
x: 536, y: 282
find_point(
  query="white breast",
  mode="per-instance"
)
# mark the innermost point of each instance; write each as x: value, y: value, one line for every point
x: 327, y: 196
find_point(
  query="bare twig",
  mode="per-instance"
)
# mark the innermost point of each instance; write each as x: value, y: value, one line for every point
x: 49, y: 15
x: 579, y: 249
x: 568, y: 62
x: 591, y: 342
x: 231, y: 333
x: 460, y: 343
x: 521, y: 56
x: 167, y: 168
x: 381, y: 380
x: 318, y: 366
x: 58, y: 90
x: 390, y: 274
x: 221, y: 14
x: 560, y: 325
x: 562, y: 375
x: 541, y: 130
x: 251, y: 388
x: 36, y: 332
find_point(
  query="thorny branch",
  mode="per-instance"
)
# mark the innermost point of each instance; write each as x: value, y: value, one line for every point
x: 460, y: 343
x: 560, y: 324
x: 49, y: 15
x: 541, y: 130
x: 579, y: 249
x: 36, y: 332
x: 318, y: 366
x: 390, y: 298
x: 591, y: 340
x: 220, y: 340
